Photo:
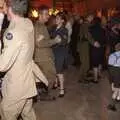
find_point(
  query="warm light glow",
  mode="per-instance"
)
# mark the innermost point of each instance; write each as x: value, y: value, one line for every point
x: 53, y: 12
x: 111, y: 12
x: 34, y: 13
x: 99, y: 13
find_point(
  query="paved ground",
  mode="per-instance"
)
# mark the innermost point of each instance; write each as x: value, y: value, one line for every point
x: 81, y: 102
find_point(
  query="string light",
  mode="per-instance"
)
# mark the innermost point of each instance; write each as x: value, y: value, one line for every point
x: 53, y: 12
x: 34, y: 13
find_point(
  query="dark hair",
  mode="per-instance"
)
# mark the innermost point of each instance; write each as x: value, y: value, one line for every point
x: 62, y: 16
x: 65, y: 12
x: 42, y: 8
x: 82, y: 18
x: 97, y: 20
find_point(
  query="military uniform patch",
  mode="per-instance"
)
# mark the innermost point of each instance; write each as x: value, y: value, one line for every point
x: 9, y: 36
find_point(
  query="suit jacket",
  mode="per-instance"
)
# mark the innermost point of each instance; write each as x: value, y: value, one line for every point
x: 17, y: 60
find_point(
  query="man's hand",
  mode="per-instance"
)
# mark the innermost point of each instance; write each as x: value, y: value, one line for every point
x: 41, y: 37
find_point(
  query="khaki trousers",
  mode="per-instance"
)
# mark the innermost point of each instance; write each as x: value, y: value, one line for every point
x: 84, y: 57
x: 10, y: 110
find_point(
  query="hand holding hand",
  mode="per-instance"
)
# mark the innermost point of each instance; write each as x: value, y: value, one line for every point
x: 57, y: 39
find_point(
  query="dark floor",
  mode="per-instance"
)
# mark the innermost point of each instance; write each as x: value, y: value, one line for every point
x: 81, y: 102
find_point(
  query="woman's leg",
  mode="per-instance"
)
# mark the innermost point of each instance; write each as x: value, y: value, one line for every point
x: 95, y: 69
x: 61, y: 80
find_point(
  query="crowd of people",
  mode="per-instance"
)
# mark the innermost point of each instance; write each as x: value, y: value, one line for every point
x: 34, y: 55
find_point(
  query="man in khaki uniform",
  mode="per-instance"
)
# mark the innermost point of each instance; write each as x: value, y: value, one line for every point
x: 43, y: 54
x: 83, y: 48
x: 18, y: 85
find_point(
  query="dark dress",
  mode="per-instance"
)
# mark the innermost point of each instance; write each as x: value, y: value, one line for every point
x: 60, y: 50
x: 74, y: 42
x: 97, y: 54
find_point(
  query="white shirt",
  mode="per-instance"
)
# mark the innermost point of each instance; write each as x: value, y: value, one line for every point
x: 69, y: 28
x: 1, y: 20
x: 114, y: 59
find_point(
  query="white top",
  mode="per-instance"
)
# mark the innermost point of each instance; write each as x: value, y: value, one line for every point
x: 1, y: 20
x: 69, y: 28
x: 114, y: 59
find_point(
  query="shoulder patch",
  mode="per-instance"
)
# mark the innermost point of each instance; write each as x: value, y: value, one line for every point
x: 9, y: 36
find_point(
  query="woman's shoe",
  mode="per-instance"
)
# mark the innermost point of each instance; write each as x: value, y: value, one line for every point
x: 62, y: 93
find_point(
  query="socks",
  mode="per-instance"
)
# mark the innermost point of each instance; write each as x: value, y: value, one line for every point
x: 116, y: 94
x: 61, y: 80
x: 95, y: 74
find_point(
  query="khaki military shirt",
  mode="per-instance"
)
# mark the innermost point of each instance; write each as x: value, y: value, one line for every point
x: 85, y: 34
x: 43, y: 51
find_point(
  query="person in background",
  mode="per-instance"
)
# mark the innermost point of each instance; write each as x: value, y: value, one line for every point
x: 68, y: 25
x: 97, y: 54
x: 83, y: 45
x: 114, y: 70
x: 74, y: 41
